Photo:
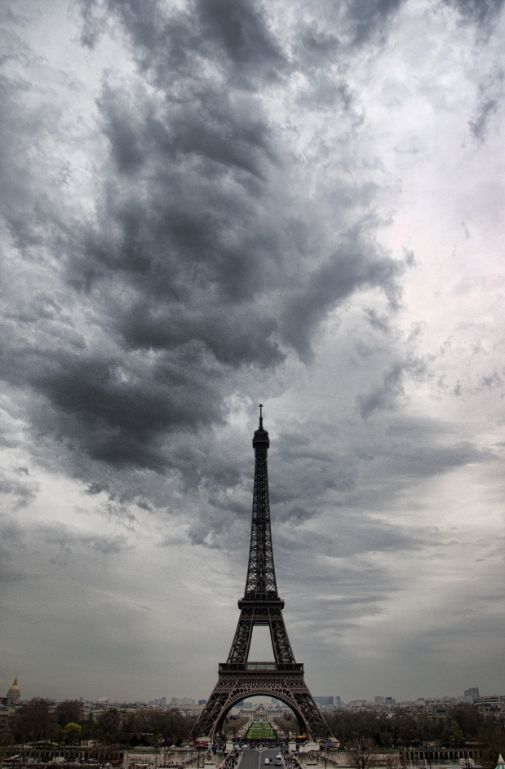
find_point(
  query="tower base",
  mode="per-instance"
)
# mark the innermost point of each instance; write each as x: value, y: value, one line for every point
x: 285, y: 682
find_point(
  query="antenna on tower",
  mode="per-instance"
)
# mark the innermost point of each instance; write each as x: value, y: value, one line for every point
x: 261, y: 416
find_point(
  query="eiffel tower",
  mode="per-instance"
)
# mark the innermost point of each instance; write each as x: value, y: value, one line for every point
x: 261, y: 605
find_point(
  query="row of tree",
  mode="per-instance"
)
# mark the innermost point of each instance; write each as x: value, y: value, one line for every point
x: 461, y: 723
x: 38, y: 720
x: 366, y: 732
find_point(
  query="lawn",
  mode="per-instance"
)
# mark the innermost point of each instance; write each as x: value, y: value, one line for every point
x: 261, y: 730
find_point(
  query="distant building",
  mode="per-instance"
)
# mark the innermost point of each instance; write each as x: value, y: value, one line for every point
x: 491, y: 706
x: 472, y: 694
x: 13, y: 693
x: 5, y: 717
x: 358, y: 705
x: 326, y: 701
x: 160, y: 702
x: 182, y: 701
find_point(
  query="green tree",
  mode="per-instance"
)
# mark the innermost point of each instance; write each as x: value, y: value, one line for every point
x: 72, y: 732
x: 456, y: 732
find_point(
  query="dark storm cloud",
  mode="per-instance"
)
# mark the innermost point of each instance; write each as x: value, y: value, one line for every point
x: 226, y: 132
x: 123, y: 421
x: 224, y: 331
x: 238, y: 27
x: 356, y: 264
x: 198, y: 259
x: 232, y: 34
x: 102, y: 392
x: 479, y: 11
x: 348, y: 24
x: 369, y: 18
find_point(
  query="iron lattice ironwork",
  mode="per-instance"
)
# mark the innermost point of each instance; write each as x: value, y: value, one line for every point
x: 261, y: 605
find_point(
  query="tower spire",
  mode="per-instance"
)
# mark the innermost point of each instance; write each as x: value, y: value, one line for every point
x: 260, y: 581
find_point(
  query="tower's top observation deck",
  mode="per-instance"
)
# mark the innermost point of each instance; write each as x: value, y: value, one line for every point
x: 260, y: 438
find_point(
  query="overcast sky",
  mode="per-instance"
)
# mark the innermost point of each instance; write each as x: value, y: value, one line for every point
x: 205, y: 204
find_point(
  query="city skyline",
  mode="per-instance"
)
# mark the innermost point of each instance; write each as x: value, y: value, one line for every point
x: 471, y: 694
x: 207, y: 204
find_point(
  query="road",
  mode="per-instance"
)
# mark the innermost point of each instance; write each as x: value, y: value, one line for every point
x: 255, y: 759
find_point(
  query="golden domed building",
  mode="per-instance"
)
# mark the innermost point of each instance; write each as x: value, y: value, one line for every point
x: 13, y: 693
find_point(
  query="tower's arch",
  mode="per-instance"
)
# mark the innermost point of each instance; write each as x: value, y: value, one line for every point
x: 285, y: 699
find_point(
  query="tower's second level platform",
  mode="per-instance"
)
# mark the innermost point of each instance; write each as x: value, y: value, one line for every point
x: 261, y: 667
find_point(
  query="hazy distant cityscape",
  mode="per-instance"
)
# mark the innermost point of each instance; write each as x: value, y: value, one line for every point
x: 491, y: 706
x: 487, y: 704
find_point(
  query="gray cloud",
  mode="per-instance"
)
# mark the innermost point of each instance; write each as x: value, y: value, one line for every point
x: 386, y: 395
x: 192, y: 267
x: 480, y: 11
x: 12, y: 550
x: 350, y: 24
x: 18, y: 486
x: 66, y: 541
x: 234, y: 36
x: 63, y: 543
x: 200, y: 226
x: 488, y: 103
x: 353, y: 266
x: 368, y: 19
x: 240, y: 31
